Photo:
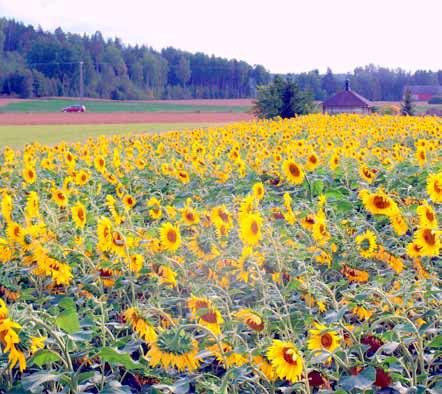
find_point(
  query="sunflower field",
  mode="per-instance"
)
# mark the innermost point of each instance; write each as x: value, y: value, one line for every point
x: 283, y: 256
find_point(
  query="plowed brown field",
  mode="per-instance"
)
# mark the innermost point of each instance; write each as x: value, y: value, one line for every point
x: 120, y: 118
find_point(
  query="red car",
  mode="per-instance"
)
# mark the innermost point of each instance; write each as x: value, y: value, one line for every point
x: 74, y: 108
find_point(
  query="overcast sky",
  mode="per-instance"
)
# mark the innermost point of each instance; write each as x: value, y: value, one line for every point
x: 282, y: 35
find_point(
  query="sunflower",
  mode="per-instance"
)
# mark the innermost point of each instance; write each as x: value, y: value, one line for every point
x: 414, y: 249
x: 320, y: 232
x: 434, y: 187
x: 165, y: 274
x: 427, y: 216
x: 210, y: 317
x: 174, y: 348
x: 308, y: 222
x: 429, y: 240
x: 60, y: 197
x: 140, y: 325
x: 367, y: 244
x: 334, y: 161
x: 81, y: 177
x: 421, y: 156
x: 129, y: 202
x: 231, y: 358
x: 156, y: 211
x: 79, y: 214
x: 354, y: 275
x: 100, y: 163
x: 258, y: 191
x: 170, y: 237
x: 183, y: 176
x: 312, y: 161
x: 250, y: 318
x: 250, y: 228
x: 246, y: 206
x: 322, y: 338
x: 293, y: 171
x: 379, y: 203
x: 136, y: 262
x: 117, y: 244
x: 190, y: 216
x: 366, y: 174
x: 6, y: 206
x: 286, y: 360
x: 14, y: 232
x: 265, y: 367
x: 32, y: 205
x: 399, y: 224
x: 362, y: 313
x: 104, y: 233
x: 29, y: 175
x: 221, y: 214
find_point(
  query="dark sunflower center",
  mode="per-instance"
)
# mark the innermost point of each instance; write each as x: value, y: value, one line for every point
x: 438, y: 187
x: 201, y: 304
x: 130, y: 201
x: 365, y: 244
x: 429, y: 215
x: 254, y: 227
x: 380, y: 202
x: 224, y: 217
x: 288, y: 356
x: 313, y: 159
x: 209, y: 317
x: 117, y: 239
x: 190, y: 217
x: 326, y: 340
x: 60, y: 196
x: 171, y: 236
x: 17, y: 231
x: 255, y: 324
x: 429, y: 237
x: 294, y: 170
x: 417, y: 248
x: 106, y: 232
x: 80, y: 214
x: 367, y: 173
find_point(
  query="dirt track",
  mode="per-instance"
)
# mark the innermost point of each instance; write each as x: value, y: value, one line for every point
x: 120, y: 117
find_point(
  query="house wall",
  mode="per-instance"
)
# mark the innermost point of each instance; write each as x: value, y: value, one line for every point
x: 346, y: 110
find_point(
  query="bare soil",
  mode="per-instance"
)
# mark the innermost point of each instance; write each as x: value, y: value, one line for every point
x: 121, y: 118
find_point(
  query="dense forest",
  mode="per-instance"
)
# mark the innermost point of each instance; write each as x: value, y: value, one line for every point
x: 37, y: 63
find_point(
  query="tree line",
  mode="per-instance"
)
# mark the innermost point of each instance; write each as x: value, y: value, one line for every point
x: 37, y: 63
x: 373, y: 82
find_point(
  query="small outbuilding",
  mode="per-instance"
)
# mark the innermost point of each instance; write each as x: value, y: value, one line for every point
x: 347, y: 102
x: 423, y: 93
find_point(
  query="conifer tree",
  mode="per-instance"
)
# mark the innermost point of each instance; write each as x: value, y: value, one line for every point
x: 407, y: 107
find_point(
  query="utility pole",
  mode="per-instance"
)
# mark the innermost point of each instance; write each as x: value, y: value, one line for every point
x: 81, y: 83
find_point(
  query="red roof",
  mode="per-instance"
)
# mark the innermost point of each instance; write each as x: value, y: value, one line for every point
x: 347, y: 98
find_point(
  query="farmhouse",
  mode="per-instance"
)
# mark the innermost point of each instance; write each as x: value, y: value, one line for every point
x: 423, y: 93
x: 347, y: 101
